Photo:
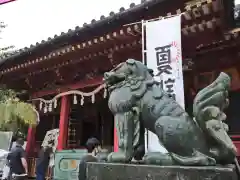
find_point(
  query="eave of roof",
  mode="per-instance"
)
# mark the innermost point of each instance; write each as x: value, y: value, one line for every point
x: 104, y: 21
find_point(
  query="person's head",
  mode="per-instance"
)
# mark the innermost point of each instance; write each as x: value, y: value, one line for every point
x: 93, y: 145
x: 20, y: 141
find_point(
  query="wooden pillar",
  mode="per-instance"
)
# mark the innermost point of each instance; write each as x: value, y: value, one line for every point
x: 30, y: 140
x: 63, y: 123
x: 115, y: 138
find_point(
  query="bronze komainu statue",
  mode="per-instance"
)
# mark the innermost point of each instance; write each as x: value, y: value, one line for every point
x: 137, y: 102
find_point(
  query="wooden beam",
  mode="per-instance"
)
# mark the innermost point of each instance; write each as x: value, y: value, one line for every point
x: 197, y: 9
x: 204, y: 25
x: 75, y: 61
x: 82, y: 84
x: 59, y: 52
x: 193, y: 10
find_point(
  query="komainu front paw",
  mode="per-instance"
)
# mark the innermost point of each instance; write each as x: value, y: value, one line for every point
x: 158, y: 158
x: 119, y: 157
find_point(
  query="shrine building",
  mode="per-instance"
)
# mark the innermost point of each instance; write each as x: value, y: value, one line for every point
x: 63, y: 75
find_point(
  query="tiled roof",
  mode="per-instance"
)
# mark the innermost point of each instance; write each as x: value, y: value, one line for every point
x: 103, y: 22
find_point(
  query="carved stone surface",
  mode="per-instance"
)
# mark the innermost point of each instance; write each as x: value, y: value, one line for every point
x: 109, y: 171
x: 137, y: 102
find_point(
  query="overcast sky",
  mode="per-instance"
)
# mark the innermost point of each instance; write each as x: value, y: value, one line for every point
x: 30, y: 21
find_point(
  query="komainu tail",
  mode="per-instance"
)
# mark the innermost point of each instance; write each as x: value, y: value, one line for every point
x: 216, y: 94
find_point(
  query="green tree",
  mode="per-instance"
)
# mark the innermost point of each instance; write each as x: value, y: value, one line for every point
x: 15, y: 114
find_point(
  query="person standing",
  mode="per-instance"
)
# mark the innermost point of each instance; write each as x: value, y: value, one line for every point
x: 43, y: 162
x: 93, y: 147
x: 17, y: 161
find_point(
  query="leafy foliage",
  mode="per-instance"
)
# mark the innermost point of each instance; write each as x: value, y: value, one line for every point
x: 15, y: 114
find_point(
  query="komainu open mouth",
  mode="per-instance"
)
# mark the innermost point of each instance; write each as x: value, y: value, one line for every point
x: 111, y: 78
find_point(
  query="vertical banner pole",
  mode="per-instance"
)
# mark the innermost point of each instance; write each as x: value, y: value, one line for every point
x: 144, y: 61
x: 143, y: 43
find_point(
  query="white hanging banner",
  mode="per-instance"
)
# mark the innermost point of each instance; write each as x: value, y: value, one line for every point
x: 164, y: 56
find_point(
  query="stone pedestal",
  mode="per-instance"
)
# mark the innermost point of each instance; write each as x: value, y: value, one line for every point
x: 107, y: 171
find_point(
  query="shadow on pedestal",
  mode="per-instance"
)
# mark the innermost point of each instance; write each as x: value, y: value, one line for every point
x: 107, y: 171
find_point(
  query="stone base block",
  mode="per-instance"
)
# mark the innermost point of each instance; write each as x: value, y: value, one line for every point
x: 108, y: 171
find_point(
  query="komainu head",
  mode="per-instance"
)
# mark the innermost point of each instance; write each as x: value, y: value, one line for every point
x: 126, y: 70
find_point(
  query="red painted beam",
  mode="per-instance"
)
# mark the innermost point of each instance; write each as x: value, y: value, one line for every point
x: 236, y: 141
x: 30, y: 140
x: 115, y: 138
x: 237, y: 144
x: 82, y: 84
x: 63, y: 123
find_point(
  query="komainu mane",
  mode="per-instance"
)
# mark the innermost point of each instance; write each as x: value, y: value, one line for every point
x: 138, y: 102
